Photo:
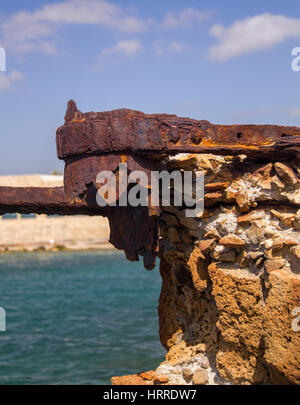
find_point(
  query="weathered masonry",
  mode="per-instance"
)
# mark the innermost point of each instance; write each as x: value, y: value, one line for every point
x: 231, y: 279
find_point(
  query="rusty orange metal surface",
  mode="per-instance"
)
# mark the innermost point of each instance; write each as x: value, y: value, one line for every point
x: 133, y: 132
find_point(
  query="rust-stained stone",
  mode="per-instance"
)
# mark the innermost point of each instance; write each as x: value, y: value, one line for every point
x: 264, y: 172
x: 198, y: 268
x: 252, y: 301
x: 274, y: 264
x: 282, y: 343
x: 206, y: 245
x: 286, y: 218
x: 211, y: 199
x: 144, y: 378
x: 286, y: 174
x: 133, y: 379
x: 216, y: 186
x: 232, y: 241
x: 227, y: 256
x: 290, y: 242
x: 248, y: 218
x: 242, y: 200
x: 212, y: 234
x: 238, y: 297
x: 295, y: 250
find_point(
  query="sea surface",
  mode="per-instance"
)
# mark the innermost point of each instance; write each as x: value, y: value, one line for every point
x: 77, y: 317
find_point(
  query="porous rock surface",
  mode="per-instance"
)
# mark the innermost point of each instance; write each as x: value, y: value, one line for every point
x: 231, y: 279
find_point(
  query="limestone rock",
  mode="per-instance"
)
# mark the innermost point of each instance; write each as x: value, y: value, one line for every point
x: 182, y: 161
x: 198, y: 269
x: 144, y: 378
x: 255, y: 255
x: 212, y: 234
x: 227, y: 256
x: 248, y: 218
x: 286, y: 174
x: 238, y: 297
x: 204, y: 363
x: 263, y: 172
x: 147, y: 375
x: 216, y: 186
x: 282, y: 343
x: 262, y: 177
x: 211, y: 199
x: 286, y: 218
x: 187, y: 373
x: 134, y: 379
x: 160, y: 379
x: 242, y: 200
x: 232, y: 241
x: 275, y: 264
x: 278, y: 243
x: 295, y: 250
x: 275, y: 183
x: 200, y: 377
x: 206, y: 245
x: 290, y: 242
x: 256, y: 232
x: 231, y: 288
x: 296, y: 222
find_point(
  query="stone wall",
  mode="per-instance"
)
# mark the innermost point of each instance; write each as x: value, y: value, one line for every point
x: 231, y: 279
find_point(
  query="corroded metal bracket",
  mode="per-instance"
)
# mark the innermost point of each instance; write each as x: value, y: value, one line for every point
x: 93, y: 142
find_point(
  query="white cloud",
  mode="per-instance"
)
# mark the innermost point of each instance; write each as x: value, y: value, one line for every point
x: 252, y: 34
x: 177, y: 47
x: 33, y: 31
x: 122, y: 49
x: 295, y: 112
x: 125, y: 48
x: 162, y: 47
x: 184, y: 18
x: 7, y: 80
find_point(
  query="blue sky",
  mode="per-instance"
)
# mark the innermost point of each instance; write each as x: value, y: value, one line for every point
x: 226, y: 62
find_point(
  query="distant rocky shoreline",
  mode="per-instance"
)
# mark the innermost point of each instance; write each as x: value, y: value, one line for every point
x: 46, y: 247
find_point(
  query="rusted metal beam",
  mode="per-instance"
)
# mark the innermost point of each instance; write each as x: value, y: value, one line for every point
x: 132, y: 229
x: 133, y: 132
x: 46, y: 200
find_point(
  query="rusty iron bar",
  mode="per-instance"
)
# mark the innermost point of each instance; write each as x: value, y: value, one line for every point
x: 45, y: 200
x: 133, y: 132
x: 132, y: 229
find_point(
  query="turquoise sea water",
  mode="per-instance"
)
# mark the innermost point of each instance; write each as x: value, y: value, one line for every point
x: 77, y: 318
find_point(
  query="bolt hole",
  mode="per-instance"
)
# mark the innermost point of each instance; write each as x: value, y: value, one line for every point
x: 239, y: 135
x: 284, y: 135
